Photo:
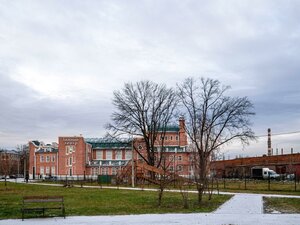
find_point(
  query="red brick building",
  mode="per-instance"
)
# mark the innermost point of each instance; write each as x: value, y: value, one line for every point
x: 43, y: 159
x: 78, y: 156
x: 282, y: 164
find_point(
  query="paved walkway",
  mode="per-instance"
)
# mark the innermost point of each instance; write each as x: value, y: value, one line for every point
x: 242, y: 204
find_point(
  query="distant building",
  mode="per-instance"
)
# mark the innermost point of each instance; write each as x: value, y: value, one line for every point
x: 43, y: 159
x: 79, y: 156
x: 9, y: 162
x: 240, y: 167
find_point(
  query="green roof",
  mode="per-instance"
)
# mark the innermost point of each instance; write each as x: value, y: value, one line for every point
x: 172, y: 128
x: 108, y: 143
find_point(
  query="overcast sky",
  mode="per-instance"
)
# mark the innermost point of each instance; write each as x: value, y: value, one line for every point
x: 60, y: 61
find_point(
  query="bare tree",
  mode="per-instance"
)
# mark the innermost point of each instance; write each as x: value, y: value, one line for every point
x: 5, y: 164
x: 144, y: 109
x: 23, y: 151
x: 165, y: 178
x: 212, y: 120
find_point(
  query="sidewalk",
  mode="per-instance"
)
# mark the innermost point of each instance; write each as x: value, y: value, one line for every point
x: 242, y: 204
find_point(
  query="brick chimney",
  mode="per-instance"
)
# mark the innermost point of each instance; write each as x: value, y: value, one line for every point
x: 269, y: 143
x: 182, y: 133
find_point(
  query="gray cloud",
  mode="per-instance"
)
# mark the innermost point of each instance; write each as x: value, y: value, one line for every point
x: 61, y: 60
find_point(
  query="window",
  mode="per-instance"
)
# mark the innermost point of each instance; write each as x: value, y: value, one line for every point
x: 118, y: 154
x: 179, y: 158
x: 108, y: 154
x: 128, y: 154
x: 53, y: 170
x: 42, y: 170
x: 191, y: 158
x: 95, y: 171
x: 177, y: 138
x: 47, y: 170
x: 41, y: 158
x: 179, y: 168
x: 171, y: 168
x: 171, y: 158
x: 47, y: 158
x: 99, y: 155
x: 114, y: 171
x: 140, y: 147
x: 166, y: 138
x: 70, y: 149
x: 70, y: 161
x: 53, y: 158
x: 104, y: 171
x: 171, y: 138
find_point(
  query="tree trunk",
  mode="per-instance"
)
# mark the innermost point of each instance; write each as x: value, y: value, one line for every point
x: 202, y: 179
x: 160, y: 195
x: 200, y: 194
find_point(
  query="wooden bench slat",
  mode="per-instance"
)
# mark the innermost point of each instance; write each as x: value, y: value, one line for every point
x: 29, y: 206
x: 42, y: 200
x: 42, y: 197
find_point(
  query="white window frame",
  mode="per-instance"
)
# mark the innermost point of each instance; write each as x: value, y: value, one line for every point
x: 53, y: 170
x: 104, y: 171
x: 118, y: 154
x: 114, y: 171
x: 179, y: 168
x: 109, y: 156
x: 128, y: 154
x: 42, y: 170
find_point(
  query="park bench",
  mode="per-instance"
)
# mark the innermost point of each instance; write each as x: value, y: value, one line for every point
x: 42, y: 203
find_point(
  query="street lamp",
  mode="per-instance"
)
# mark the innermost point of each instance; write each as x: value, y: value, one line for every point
x: 132, y: 164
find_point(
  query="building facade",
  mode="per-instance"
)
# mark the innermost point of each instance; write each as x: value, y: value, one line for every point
x: 10, y: 163
x: 79, y: 156
x: 43, y: 159
x: 241, y: 167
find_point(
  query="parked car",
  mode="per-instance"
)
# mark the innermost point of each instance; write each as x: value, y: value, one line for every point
x: 263, y: 173
x: 290, y: 176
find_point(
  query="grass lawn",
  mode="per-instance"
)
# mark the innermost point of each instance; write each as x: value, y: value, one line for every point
x: 282, y: 205
x: 85, y: 201
x: 231, y: 185
x: 260, y: 186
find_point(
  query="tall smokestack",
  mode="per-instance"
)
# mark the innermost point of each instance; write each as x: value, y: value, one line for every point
x: 269, y: 143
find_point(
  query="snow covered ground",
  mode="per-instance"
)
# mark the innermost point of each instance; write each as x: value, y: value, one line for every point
x: 165, y: 219
x: 244, y: 209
